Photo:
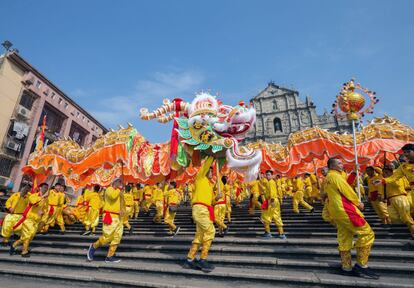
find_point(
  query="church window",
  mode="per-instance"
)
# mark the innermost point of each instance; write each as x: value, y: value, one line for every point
x: 275, y: 105
x: 277, y: 124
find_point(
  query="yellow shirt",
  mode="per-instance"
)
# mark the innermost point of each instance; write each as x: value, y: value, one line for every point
x: 94, y: 199
x: 172, y: 196
x: 17, y: 203
x: 129, y: 199
x: 397, y: 188
x: 112, y: 200
x: 36, y: 211
x: 336, y: 186
x: 147, y: 193
x: 404, y: 170
x: 270, y: 189
x: 372, y: 188
x: 54, y: 197
x: 157, y: 194
x: 254, y: 187
x: 203, y: 191
x: 298, y: 184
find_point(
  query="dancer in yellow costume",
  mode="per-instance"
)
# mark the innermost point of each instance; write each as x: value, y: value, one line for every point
x: 112, y: 228
x: 220, y: 205
x: 344, y: 207
x: 397, y: 199
x: 15, y: 205
x: 376, y: 193
x: 55, y: 202
x: 324, y: 198
x: 158, y: 200
x: 147, y: 198
x: 137, y: 191
x: 171, y: 203
x: 271, y: 206
x: 81, y: 209
x: 298, y: 187
x: 93, y: 199
x: 203, y: 216
x: 254, y: 196
x: 129, y: 208
x: 404, y: 170
x: 30, y: 220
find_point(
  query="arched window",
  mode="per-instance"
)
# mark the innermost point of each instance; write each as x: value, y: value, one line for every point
x: 277, y: 124
x: 274, y: 105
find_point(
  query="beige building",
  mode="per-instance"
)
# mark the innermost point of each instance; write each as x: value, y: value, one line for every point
x: 25, y: 97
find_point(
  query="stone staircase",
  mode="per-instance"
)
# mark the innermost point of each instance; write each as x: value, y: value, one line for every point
x: 308, y: 258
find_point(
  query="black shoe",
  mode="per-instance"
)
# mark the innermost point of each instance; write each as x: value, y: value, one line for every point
x: 112, y: 259
x: 349, y: 273
x: 312, y: 210
x: 365, y: 272
x: 190, y: 264
x: 130, y: 231
x: 221, y: 235
x: 12, y: 250
x: 26, y: 255
x: 225, y: 231
x: 205, y: 266
x: 86, y: 233
x: 62, y: 232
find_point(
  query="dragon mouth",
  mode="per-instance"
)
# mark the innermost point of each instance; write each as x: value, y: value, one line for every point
x: 236, y: 129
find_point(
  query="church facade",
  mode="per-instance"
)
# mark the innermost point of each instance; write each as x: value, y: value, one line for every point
x: 280, y: 112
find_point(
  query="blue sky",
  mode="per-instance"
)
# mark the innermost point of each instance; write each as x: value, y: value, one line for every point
x: 114, y: 57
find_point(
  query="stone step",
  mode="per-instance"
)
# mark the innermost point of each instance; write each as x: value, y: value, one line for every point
x: 264, y: 261
x: 143, y: 274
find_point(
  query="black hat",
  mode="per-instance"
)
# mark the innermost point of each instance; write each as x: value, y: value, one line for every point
x: 407, y: 147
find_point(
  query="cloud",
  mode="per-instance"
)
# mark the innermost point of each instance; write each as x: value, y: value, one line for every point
x: 147, y: 93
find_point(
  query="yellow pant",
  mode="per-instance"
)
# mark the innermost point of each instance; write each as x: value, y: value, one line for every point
x: 205, y: 232
x: 129, y: 210
x: 50, y: 220
x: 381, y: 210
x: 112, y: 234
x: 7, y: 229
x: 298, y: 199
x: 220, y: 214
x: 80, y: 213
x: 169, y: 218
x: 326, y: 216
x: 28, y: 232
x: 159, y: 207
x: 346, y: 232
x: 272, y: 214
x: 146, y: 204
x: 402, y: 207
x: 255, y: 203
x: 91, y: 219
x: 136, y: 208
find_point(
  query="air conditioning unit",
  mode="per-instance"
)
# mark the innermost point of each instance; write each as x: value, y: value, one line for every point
x: 13, y: 146
x: 29, y: 80
x: 23, y: 111
x: 3, y: 181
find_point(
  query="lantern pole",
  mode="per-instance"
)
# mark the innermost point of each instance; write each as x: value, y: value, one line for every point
x: 356, y: 158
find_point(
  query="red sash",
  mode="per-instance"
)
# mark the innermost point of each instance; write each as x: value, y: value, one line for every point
x: 350, y: 210
x: 107, y: 220
x: 210, y: 210
x: 25, y: 212
x: 265, y: 205
x: 51, y: 209
x: 373, y: 196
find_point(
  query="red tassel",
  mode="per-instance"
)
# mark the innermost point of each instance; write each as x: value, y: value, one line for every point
x: 51, y: 210
x: 107, y: 220
x: 265, y: 205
